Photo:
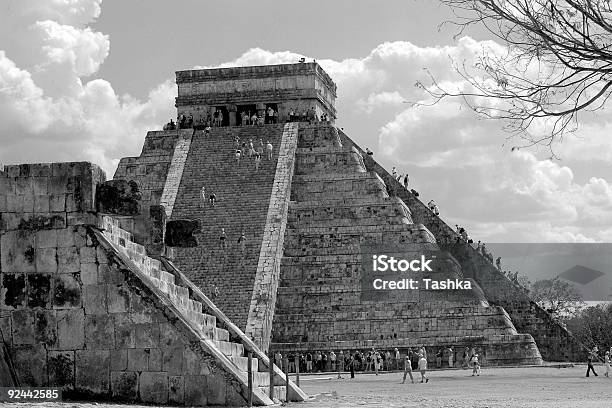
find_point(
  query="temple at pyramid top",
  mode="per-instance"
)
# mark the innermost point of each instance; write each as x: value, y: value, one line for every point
x: 287, y: 89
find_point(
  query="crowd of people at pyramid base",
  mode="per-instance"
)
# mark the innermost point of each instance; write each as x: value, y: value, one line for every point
x: 379, y: 360
x: 246, y: 119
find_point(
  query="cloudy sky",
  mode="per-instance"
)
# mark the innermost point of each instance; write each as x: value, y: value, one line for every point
x: 85, y: 80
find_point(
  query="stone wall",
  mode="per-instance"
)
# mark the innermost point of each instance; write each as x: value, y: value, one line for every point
x: 554, y: 341
x: 83, y: 308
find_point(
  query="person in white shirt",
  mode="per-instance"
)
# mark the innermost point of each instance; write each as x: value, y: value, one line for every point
x: 607, y: 363
x: 475, y: 365
x: 269, y: 150
x: 423, y: 368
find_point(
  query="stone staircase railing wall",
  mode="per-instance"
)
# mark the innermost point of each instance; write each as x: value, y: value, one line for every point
x: 554, y: 341
x: 263, y: 301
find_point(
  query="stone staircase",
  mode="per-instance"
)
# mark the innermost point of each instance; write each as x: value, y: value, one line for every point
x: 338, y: 210
x: 554, y: 341
x: 243, y: 196
x: 224, y: 340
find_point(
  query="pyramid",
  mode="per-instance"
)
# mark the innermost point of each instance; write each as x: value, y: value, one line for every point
x: 312, y: 215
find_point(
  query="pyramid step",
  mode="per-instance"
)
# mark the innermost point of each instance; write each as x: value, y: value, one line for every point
x: 243, y: 363
x: 229, y: 348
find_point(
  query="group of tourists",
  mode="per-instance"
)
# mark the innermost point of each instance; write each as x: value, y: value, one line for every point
x: 252, y: 151
x: 402, y: 178
x: 269, y: 116
x: 375, y: 361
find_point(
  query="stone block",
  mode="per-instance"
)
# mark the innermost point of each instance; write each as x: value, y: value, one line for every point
x: 57, y: 202
x: 196, y: 390
x: 13, y: 292
x: 66, y: 291
x: 154, y: 387
x: 45, y: 328
x: 147, y: 335
x: 99, y: 332
x: 180, y: 233
x: 118, y: 298
x: 70, y: 329
x: 87, y: 254
x: 193, y: 364
x: 17, y: 249
x: 46, y: 239
x: 30, y: 363
x: 138, y: 359
x: 61, y: 368
x: 39, y: 290
x: 118, y: 197
x: 124, y: 385
x: 39, y: 186
x: 46, y: 260
x: 95, y: 299
x: 68, y: 260
x: 41, y: 204
x: 155, y: 360
x: 23, y: 327
x: 89, y: 273
x: 170, y: 337
x: 173, y: 360
x: 216, y: 389
x: 92, y: 371
x: 124, y: 331
x: 110, y: 273
x: 118, y: 360
x: 176, y: 389
x: 65, y: 238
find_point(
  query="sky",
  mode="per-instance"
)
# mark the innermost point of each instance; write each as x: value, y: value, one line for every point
x: 86, y: 79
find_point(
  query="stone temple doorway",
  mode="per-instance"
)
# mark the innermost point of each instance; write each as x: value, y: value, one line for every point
x: 242, y: 109
x: 225, y: 112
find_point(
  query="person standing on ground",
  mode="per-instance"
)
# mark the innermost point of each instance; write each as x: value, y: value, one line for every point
x: 475, y: 365
x: 607, y: 363
x: 332, y: 360
x: 439, y: 358
x: 340, y: 364
x: 352, y: 365
x: 309, y: 363
x: 451, y: 357
x: 592, y: 357
x: 466, y: 358
x: 269, y: 148
x: 397, y: 358
x: 388, y: 360
x: 407, y: 369
x: 423, y: 368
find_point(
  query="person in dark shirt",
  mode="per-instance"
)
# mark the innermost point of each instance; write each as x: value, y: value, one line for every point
x: 590, y: 359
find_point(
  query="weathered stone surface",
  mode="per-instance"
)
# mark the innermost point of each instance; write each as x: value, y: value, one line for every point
x: 61, y: 368
x: 124, y: 385
x: 66, y: 291
x: 70, y: 329
x: 23, y: 327
x: 13, y: 290
x: 99, y: 332
x: 118, y: 197
x: 30, y: 364
x: 180, y: 233
x: 196, y: 390
x: 92, y: 371
x: 154, y: 387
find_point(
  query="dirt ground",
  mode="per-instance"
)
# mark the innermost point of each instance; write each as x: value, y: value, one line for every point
x: 541, y: 387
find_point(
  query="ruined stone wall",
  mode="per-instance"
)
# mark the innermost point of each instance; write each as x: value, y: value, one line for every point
x: 554, y: 341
